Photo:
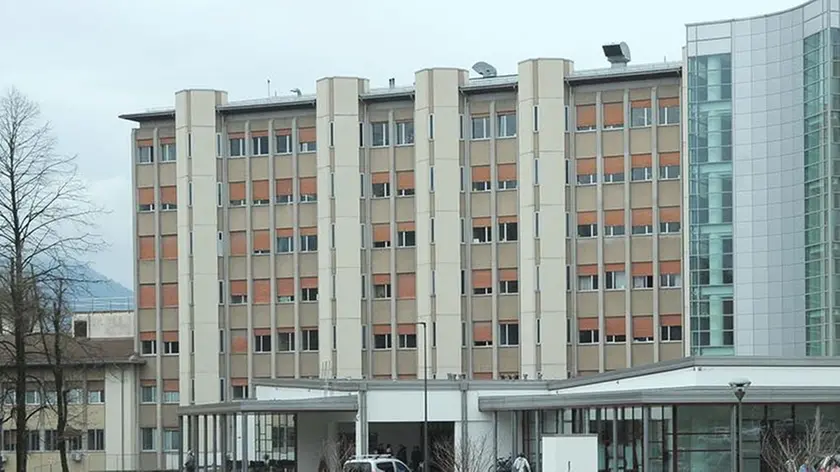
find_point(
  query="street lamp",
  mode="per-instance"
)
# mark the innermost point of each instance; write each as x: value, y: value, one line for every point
x: 739, y: 388
x: 425, y: 395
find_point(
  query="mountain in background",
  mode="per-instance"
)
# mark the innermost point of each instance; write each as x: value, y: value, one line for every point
x: 99, y: 293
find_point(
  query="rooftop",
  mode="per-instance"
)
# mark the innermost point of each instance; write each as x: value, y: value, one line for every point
x: 474, y: 85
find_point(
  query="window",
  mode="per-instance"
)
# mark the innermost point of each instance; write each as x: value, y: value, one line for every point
x: 587, y: 179
x: 406, y: 238
x: 382, y: 291
x: 309, y: 340
x: 283, y: 143
x: 671, y: 227
x: 332, y: 134
x: 262, y: 343
x: 308, y: 197
x: 96, y: 440
x: 75, y: 396
x: 614, y: 230
x: 240, y: 392
x: 642, y: 281
x: 285, y: 244
x: 237, y: 147
x: 508, y: 286
x: 308, y: 146
x: 587, y: 231
x: 640, y: 116
x: 670, y: 333
x: 537, y: 171
x: 587, y: 283
x: 167, y: 152
x: 171, y: 439
x: 148, y: 347
x: 432, y: 126
x: 96, y: 397
x: 407, y: 341
x: 507, y: 185
x: 171, y: 396
x: 614, y: 178
x: 285, y: 341
x: 480, y: 127
x: 506, y: 125
x: 405, y: 133
x: 259, y: 145
x: 148, y: 394
x: 482, y: 234
x: 481, y: 186
x: 508, y: 231
x: 641, y: 230
x: 641, y: 173
x: 405, y: 192
x: 381, y: 190
x: 146, y: 207
x: 238, y: 299
x: 50, y: 440
x: 33, y: 397
x: 669, y: 172
x: 171, y: 347
x: 145, y: 154
x: 308, y: 243
x: 509, y: 334
x: 615, y: 280
x: 670, y: 280
x: 379, y: 134
x: 381, y: 244
x: 669, y: 115
x: 615, y: 338
x: 309, y: 294
x: 482, y: 290
x: 536, y: 118
x: 382, y: 341
x: 588, y: 336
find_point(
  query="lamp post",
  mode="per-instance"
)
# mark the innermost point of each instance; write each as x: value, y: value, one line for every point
x: 425, y: 395
x: 739, y: 388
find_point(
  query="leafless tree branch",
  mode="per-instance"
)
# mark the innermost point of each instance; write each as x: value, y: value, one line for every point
x: 786, y: 446
x: 472, y: 455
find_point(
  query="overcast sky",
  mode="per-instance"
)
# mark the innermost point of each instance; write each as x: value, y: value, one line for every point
x: 86, y: 61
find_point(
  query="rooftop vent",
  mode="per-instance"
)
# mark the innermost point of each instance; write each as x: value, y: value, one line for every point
x: 392, y: 83
x: 484, y: 69
x: 618, y: 54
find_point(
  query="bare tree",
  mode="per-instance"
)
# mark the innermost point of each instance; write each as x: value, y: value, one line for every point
x: 334, y: 454
x: 786, y: 446
x: 471, y: 455
x: 45, y: 222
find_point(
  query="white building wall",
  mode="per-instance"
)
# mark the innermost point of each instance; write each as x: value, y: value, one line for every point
x: 121, y: 446
x: 438, y: 221
x: 108, y: 324
x: 339, y: 306
x: 542, y: 279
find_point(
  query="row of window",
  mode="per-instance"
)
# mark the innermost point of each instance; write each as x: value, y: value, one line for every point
x: 150, y: 439
x: 47, y: 440
x: 637, y: 174
x: 74, y: 396
x: 149, y: 394
x: 666, y: 334
x: 613, y: 116
x: 146, y: 153
x: 150, y: 347
x: 259, y: 145
x: 591, y: 230
x: 617, y: 280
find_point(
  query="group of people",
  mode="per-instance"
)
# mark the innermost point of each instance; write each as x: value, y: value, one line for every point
x: 827, y: 464
x: 401, y: 454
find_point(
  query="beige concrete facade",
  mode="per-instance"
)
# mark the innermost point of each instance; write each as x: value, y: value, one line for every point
x: 532, y: 222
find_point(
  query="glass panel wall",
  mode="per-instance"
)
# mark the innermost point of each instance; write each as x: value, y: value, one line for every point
x: 704, y: 438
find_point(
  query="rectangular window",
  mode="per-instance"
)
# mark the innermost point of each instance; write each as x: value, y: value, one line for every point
x: 407, y: 341
x: 615, y: 280
x: 642, y: 281
x: 332, y: 133
x: 640, y: 116
x: 96, y: 440
x: 309, y: 294
x: 381, y: 190
x: 382, y: 291
x: 641, y: 230
x: 537, y: 171
x: 285, y: 341
x: 480, y: 127
x: 171, y: 439
x: 432, y: 230
x: 672, y: 227
x: 587, y: 179
x: 406, y: 238
x: 262, y: 343
x: 145, y: 154
x: 96, y: 397
x: 537, y: 225
x: 587, y: 231
x: 382, y: 341
x: 285, y: 244
x: 379, y: 134
x: 148, y: 347
x: 308, y: 243
x: 614, y: 230
x: 167, y: 152
x: 236, y: 147
x: 508, y: 232
x: 308, y: 146
x: 536, y: 118
x: 481, y: 186
x: 219, y: 145
x: 507, y: 184
x: 431, y: 126
x: 614, y: 178
x: 33, y: 397
x: 587, y: 283
x: 669, y: 115
x: 148, y: 394
x: 588, y: 336
x: 482, y: 234
x: 670, y: 280
x: 508, y: 287
x: 309, y: 341
x: 171, y: 347
x: 171, y: 397
x: 669, y: 172
x: 670, y: 333
x: 506, y: 125
x: 259, y: 145
x: 283, y: 144
x: 509, y: 334
x: 238, y: 299
x: 431, y: 179
x: 405, y: 133
x: 148, y: 439
x: 641, y: 174
x: 615, y: 338
x: 240, y: 392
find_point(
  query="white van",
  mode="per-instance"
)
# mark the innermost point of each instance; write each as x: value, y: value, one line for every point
x: 375, y: 463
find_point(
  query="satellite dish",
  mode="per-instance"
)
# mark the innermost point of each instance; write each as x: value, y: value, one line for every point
x: 484, y: 69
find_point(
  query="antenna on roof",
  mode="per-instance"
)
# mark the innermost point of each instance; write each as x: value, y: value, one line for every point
x: 268, y: 86
x: 296, y: 91
x: 484, y: 69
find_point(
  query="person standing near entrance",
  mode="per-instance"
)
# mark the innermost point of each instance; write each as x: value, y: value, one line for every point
x: 521, y: 464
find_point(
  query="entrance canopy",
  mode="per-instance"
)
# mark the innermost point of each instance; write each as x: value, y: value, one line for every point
x: 296, y: 405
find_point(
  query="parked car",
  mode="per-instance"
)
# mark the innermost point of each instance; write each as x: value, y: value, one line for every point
x: 375, y: 463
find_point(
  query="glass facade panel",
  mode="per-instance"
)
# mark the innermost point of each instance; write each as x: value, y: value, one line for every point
x: 710, y: 204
